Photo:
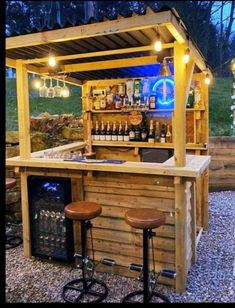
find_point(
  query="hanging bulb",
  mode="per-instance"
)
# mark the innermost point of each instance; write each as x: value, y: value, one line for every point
x: 51, y: 60
x: 186, y: 56
x: 37, y: 83
x: 158, y: 43
x: 207, y: 79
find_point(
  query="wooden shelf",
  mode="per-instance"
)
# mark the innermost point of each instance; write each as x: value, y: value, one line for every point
x: 156, y: 110
x: 134, y: 144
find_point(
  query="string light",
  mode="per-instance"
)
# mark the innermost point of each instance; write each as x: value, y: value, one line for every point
x: 158, y: 43
x: 51, y: 60
x: 207, y: 79
x: 186, y: 56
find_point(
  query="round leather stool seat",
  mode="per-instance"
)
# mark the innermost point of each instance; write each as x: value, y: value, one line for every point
x: 145, y: 218
x: 10, y: 182
x: 82, y: 210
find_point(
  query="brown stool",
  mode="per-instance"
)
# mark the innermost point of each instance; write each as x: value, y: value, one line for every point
x: 12, y: 241
x: 77, y: 290
x: 146, y: 219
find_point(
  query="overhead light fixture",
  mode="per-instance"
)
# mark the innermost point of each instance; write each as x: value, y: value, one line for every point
x: 186, y: 56
x: 165, y: 70
x: 158, y: 43
x: 51, y: 60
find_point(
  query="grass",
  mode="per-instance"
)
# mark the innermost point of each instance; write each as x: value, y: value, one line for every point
x: 219, y: 106
x: 69, y: 105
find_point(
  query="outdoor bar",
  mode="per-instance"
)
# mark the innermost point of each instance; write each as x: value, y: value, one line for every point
x: 169, y: 174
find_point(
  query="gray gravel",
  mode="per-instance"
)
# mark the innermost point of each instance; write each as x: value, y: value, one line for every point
x: 210, y: 279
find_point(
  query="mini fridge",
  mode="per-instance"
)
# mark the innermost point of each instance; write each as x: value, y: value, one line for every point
x: 51, y: 232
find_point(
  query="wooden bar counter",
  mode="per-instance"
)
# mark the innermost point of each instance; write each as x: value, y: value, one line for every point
x: 119, y: 187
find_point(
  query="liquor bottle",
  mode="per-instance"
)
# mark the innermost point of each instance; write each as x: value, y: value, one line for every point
x: 126, y: 132
x: 132, y: 133
x: 163, y: 134
x: 122, y: 92
x: 145, y: 93
x: 96, y: 103
x: 157, y: 132
x: 117, y: 101
x: 197, y: 96
x: 92, y: 131
x: 130, y: 91
x: 102, y: 132
x: 137, y: 133
x: 120, y: 132
x: 168, y: 135
x: 103, y: 102
x: 97, y: 131
x: 190, y: 101
x: 151, y: 133
x: 114, y: 132
x: 108, y: 136
x: 144, y: 132
x: 152, y: 102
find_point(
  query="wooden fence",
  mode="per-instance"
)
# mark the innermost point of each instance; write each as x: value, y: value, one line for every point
x: 222, y: 167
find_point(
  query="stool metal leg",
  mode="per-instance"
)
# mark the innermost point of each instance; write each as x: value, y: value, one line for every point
x: 145, y: 266
x: 80, y: 289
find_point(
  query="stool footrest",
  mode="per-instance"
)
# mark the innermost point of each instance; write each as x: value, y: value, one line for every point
x: 152, y: 297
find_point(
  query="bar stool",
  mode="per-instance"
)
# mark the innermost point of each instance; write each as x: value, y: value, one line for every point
x: 146, y: 219
x: 77, y: 290
x: 12, y: 241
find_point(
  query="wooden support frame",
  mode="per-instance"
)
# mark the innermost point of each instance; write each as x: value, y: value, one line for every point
x: 179, y: 112
x: 23, y: 109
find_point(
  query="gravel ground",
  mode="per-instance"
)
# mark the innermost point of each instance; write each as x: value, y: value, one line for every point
x: 210, y: 279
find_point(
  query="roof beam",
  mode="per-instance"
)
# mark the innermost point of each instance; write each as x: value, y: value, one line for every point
x: 37, y: 70
x: 109, y: 64
x: 99, y: 53
x: 90, y: 30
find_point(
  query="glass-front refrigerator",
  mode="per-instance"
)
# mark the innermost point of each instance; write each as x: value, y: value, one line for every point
x: 51, y: 232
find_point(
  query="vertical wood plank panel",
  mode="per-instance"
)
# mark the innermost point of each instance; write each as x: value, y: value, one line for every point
x: 25, y: 214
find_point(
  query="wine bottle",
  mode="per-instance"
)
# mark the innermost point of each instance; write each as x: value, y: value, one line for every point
x: 120, y: 132
x: 97, y: 131
x: 102, y: 132
x: 157, y: 132
x: 132, y: 133
x: 151, y: 132
x: 126, y: 132
x: 163, y: 134
x: 108, y: 136
x: 114, y: 132
x: 144, y: 132
x: 137, y: 133
x: 168, y: 135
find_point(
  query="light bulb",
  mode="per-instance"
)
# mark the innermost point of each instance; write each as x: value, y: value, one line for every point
x: 37, y: 83
x: 158, y: 43
x: 186, y: 56
x: 207, y: 79
x: 52, y: 60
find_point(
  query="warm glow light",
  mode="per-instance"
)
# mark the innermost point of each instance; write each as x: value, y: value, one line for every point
x: 52, y: 60
x: 186, y: 56
x: 158, y: 43
x: 233, y: 66
x: 37, y: 83
x: 207, y: 79
x: 65, y: 91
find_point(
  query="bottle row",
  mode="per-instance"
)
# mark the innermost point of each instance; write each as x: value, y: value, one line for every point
x: 158, y: 133
x: 132, y: 95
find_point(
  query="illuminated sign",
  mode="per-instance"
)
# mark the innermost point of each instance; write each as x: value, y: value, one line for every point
x: 163, y: 88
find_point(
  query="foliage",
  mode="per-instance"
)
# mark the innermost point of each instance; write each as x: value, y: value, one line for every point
x: 219, y: 106
x: 38, y: 105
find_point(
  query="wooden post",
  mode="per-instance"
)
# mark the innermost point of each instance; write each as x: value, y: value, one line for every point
x: 25, y: 214
x: 180, y: 235
x: 23, y: 109
x: 180, y: 113
x: 205, y: 209
x: 193, y: 223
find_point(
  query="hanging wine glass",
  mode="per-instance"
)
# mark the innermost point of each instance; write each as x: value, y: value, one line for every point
x: 57, y: 89
x: 51, y: 91
x: 65, y: 90
x: 43, y: 90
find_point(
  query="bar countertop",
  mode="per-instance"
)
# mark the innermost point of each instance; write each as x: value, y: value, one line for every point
x: 195, y: 164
